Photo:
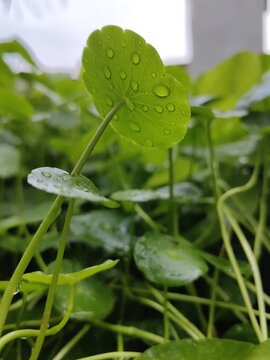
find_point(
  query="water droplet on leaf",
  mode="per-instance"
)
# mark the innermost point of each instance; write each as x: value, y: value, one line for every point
x: 161, y: 90
x: 170, y: 107
x: 46, y: 174
x: 110, y: 53
x: 172, y: 123
x: 134, y: 85
x: 154, y: 74
x: 149, y: 143
x: 145, y: 108
x: 108, y: 101
x: 65, y: 178
x: 115, y: 117
x: 107, y: 72
x: 166, y: 132
x: 39, y: 181
x: 123, y: 75
x: 184, y: 112
x: 130, y: 105
x: 134, y: 126
x: 159, y: 109
x: 135, y: 58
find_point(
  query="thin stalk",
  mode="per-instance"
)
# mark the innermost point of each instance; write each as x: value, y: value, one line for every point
x: 32, y: 323
x: 211, y: 319
x: 165, y: 315
x: 173, y: 218
x: 146, y: 218
x: 25, y: 333
x: 69, y: 345
x: 129, y: 330
x: 255, y: 270
x: 263, y: 204
x: 47, y: 221
x: 53, y: 285
x: 192, y: 291
x: 112, y: 355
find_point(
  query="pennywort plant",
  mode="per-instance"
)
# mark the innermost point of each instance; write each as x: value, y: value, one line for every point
x: 183, y: 208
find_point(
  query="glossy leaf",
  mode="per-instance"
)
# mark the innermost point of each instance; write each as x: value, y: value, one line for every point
x: 103, y: 228
x: 165, y: 261
x: 121, y: 65
x: 69, y: 278
x: 183, y: 193
x: 9, y: 161
x: 209, y: 349
x: 180, y: 74
x: 58, y: 181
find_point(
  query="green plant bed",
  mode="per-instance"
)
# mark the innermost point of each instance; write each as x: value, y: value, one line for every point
x: 157, y: 245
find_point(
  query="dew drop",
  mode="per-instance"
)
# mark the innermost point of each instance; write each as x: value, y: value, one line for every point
x: 161, y: 90
x: 115, y: 117
x: 107, y: 72
x: 123, y: 44
x: 145, y: 108
x: 110, y: 53
x: 170, y: 107
x: 159, y: 109
x: 134, y: 85
x: 123, y: 75
x: 130, y: 105
x: 149, y: 143
x: 184, y: 112
x: 40, y: 181
x: 18, y: 289
x: 154, y: 74
x: 108, y: 101
x: 172, y: 123
x: 108, y: 37
x: 140, y: 42
x: 65, y: 178
x: 134, y: 126
x: 135, y: 58
x: 86, y: 190
x: 166, y: 132
x: 57, y: 186
x: 46, y: 174
x: 110, y: 86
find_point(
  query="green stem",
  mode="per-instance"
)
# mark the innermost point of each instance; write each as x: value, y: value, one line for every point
x: 263, y: 204
x: 146, y: 218
x: 69, y: 345
x: 25, y: 333
x: 112, y: 355
x: 53, y: 285
x: 211, y: 319
x: 48, y: 220
x: 255, y: 270
x: 173, y: 218
x: 165, y: 315
x: 129, y: 330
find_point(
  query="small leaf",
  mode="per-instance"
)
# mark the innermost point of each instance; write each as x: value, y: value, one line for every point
x: 103, y: 228
x: 120, y: 65
x: 69, y: 278
x: 165, y: 261
x: 209, y: 349
x: 58, y: 181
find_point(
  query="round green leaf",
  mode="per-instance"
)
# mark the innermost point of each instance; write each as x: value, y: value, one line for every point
x: 120, y: 65
x: 165, y: 261
x: 103, y: 228
x: 60, y: 182
x: 209, y: 349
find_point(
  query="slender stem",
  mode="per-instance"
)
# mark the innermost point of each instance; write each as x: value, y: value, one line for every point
x: 25, y: 333
x: 192, y: 291
x: 173, y: 218
x: 165, y: 315
x: 69, y: 345
x: 90, y: 147
x: 53, y: 285
x: 146, y: 217
x: 263, y: 204
x: 47, y: 221
x: 211, y: 319
x: 26, y: 258
x: 129, y: 330
x: 255, y: 270
x: 112, y: 355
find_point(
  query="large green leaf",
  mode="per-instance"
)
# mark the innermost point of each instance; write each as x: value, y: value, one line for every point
x: 121, y: 65
x: 14, y: 105
x: 104, y: 228
x: 60, y: 182
x: 209, y: 349
x: 165, y: 261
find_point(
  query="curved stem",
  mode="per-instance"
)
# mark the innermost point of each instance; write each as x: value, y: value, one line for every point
x: 48, y: 220
x: 255, y: 270
x: 72, y: 343
x: 25, y: 333
x: 111, y: 355
x: 53, y: 285
x: 173, y: 218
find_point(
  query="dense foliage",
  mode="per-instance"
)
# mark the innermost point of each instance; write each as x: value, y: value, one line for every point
x: 180, y: 198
